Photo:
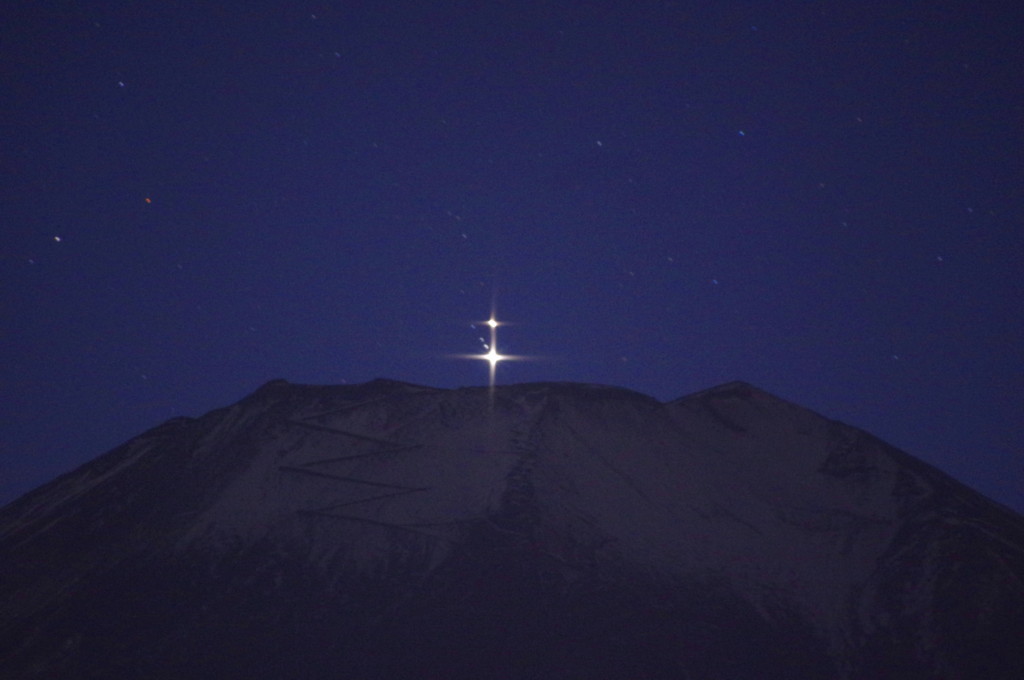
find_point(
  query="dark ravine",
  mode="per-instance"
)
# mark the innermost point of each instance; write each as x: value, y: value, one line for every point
x: 535, y: 531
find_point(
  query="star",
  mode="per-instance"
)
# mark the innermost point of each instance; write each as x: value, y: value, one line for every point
x: 492, y: 356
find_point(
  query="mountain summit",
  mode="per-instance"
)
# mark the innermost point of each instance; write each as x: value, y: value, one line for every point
x: 535, y: 531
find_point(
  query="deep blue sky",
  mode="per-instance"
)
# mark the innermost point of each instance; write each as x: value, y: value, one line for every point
x: 821, y: 198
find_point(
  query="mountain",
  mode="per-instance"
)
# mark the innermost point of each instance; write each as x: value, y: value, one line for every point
x: 534, y: 531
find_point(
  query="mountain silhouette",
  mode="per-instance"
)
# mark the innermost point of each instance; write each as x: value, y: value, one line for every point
x: 534, y: 531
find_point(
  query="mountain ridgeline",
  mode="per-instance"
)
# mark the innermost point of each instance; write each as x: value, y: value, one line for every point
x: 535, y: 531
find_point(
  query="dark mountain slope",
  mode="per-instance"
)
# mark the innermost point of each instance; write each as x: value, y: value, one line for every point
x: 551, y: 530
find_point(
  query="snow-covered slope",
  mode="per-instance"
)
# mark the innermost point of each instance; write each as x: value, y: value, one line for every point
x: 534, y: 531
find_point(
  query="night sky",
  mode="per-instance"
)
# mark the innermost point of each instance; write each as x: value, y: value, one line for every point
x: 824, y: 199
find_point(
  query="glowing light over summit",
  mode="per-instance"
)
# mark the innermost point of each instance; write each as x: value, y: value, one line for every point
x: 491, y: 354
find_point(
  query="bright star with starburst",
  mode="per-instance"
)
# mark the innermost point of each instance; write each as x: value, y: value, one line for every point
x: 492, y: 356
